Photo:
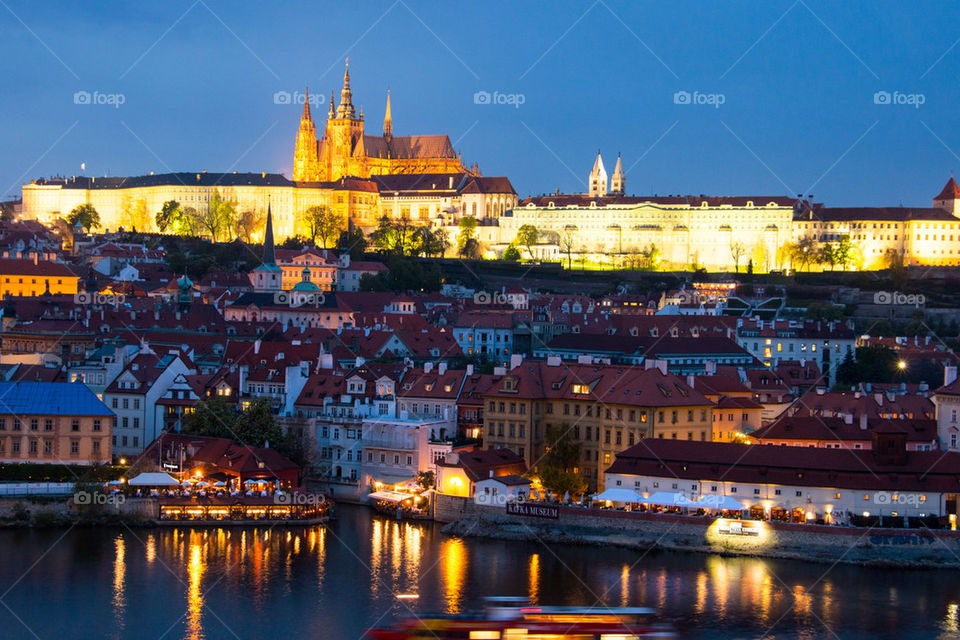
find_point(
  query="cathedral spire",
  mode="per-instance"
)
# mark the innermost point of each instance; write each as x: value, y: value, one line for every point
x: 269, y: 254
x: 346, y: 110
x: 306, y: 117
x: 617, y: 181
x: 388, y: 121
x: 332, y: 113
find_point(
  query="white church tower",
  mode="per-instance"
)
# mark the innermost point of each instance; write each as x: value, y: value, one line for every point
x: 617, y: 181
x: 598, y: 178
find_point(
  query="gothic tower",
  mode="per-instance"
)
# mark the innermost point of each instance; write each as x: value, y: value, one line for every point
x: 305, y: 152
x: 598, y: 178
x: 388, y: 122
x: 949, y: 198
x: 617, y: 182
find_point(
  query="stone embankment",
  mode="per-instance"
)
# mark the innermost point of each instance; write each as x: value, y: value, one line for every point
x: 642, y: 531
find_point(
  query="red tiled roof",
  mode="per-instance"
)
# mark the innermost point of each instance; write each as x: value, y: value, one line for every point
x: 950, y: 191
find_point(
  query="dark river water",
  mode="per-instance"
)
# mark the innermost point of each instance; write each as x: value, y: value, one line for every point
x: 331, y: 583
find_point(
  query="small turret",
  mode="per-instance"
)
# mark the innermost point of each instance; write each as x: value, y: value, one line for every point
x: 949, y: 198
x: 598, y: 178
x: 346, y: 110
x: 388, y: 122
x: 617, y: 181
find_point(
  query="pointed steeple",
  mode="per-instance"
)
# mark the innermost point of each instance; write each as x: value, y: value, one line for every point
x: 269, y: 254
x: 388, y: 121
x: 332, y: 113
x: 306, y: 117
x: 617, y: 181
x: 346, y: 110
x: 949, y: 198
x: 598, y: 178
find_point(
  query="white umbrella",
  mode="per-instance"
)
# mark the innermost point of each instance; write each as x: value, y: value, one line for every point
x: 219, y: 483
x: 566, y: 496
x: 620, y: 495
x: 203, y: 483
x: 725, y: 503
x: 667, y: 499
x: 114, y: 483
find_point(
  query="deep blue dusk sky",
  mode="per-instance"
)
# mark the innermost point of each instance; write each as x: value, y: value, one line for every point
x: 797, y: 81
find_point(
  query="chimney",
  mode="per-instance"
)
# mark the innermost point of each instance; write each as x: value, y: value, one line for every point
x: 242, y: 378
x: 879, y: 398
x: 584, y: 359
x: 256, y: 343
x: 469, y: 369
x: 491, y: 473
x: 691, y: 381
x: 326, y: 361
x: 36, y: 258
x: 949, y: 375
x: 848, y: 418
x: 863, y: 421
x: 427, y: 367
x: 820, y: 391
x: 710, y: 368
x: 442, y: 368
x: 359, y: 361
x: 553, y: 361
x: 516, y: 360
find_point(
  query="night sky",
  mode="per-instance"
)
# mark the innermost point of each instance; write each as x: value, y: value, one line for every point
x: 797, y: 82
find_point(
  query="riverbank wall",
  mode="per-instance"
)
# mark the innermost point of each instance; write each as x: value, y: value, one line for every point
x: 645, y: 531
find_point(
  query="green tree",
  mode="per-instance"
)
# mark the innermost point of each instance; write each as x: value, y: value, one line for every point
x: 256, y: 425
x: 468, y: 227
x: 212, y: 417
x: 85, y: 215
x: 527, y: 236
x: 844, y: 252
x: 510, y: 254
x: 323, y: 223
x: 219, y: 217
x: 805, y: 252
x: 556, y: 469
x: 169, y: 212
x: 249, y: 223
x: 354, y: 242
x: 827, y: 255
x: 471, y: 250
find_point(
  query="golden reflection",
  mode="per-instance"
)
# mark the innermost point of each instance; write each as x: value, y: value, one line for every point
x: 376, y: 548
x: 951, y: 621
x: 701, y: 598
x: 625, y: 586
x: 533, y: 572
x: 119, y: 581
x: 453, y: 573
x: 719, y: 570
x: 412, y: 549
x: 828, y: 604
x: 151, y: 547
x: 195, y: 569
x: 318, y: 544
x: 801, y: 600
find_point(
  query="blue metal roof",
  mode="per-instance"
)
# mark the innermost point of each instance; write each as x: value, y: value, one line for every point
x: 50, y: 398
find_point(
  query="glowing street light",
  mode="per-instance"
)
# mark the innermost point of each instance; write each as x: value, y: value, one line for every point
x: 902, y: 364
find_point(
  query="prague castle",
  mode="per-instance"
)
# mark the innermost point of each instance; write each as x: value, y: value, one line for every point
x: 345, y: 149
x: 361, y: 176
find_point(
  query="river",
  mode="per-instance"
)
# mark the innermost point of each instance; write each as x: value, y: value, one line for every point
x: 331, y: 583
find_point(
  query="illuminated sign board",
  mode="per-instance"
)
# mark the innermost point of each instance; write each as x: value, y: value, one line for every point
x: 739, y: 527
x: 533, y: 509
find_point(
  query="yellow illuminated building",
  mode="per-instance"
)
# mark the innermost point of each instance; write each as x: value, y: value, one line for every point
x: 35, y: 277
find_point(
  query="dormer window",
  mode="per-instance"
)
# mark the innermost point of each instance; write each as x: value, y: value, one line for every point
x: 581, y: 388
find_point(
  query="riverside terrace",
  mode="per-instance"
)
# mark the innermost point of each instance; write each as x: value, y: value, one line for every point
x: 885, y: 486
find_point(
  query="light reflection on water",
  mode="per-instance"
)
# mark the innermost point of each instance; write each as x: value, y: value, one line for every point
x: 318, y: 583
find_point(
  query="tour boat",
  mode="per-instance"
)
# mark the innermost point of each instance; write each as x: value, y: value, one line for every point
x: 504, y: 619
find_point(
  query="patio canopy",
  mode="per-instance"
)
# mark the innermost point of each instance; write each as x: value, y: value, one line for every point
x: 725, y: 503
x: 620, y: 495
x: 668, y: 499
x: 154, y: 479
x: 391, y: 496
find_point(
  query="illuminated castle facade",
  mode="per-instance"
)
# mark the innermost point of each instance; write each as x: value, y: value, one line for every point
x: 345, y: 149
